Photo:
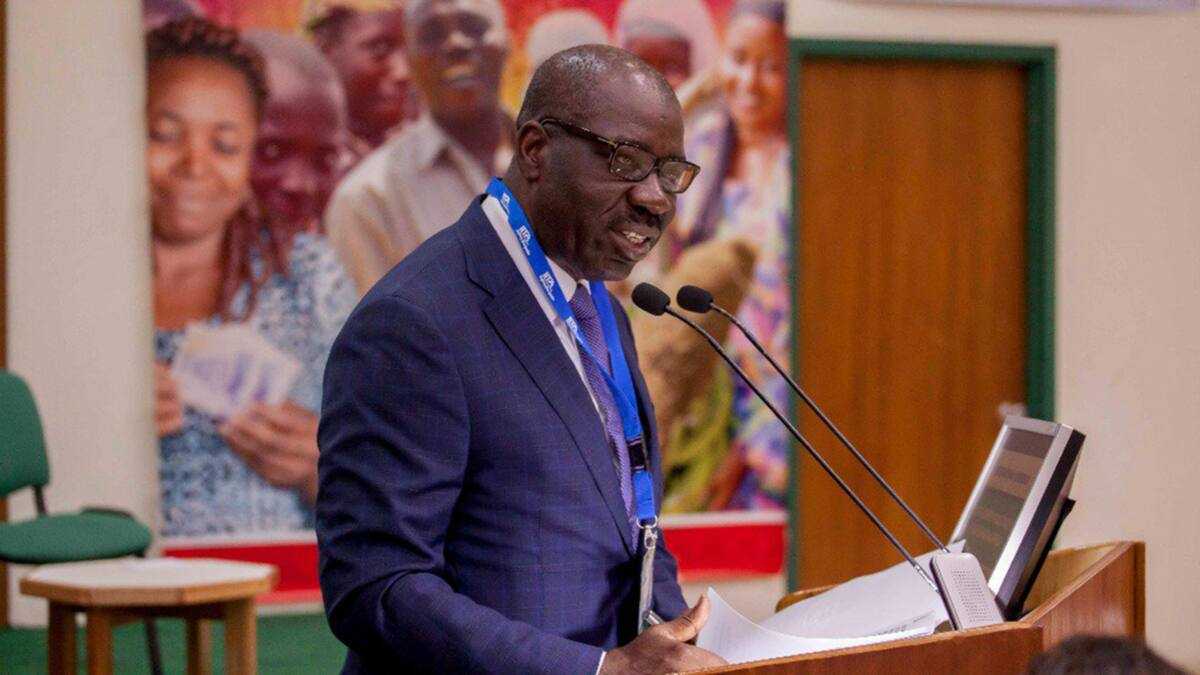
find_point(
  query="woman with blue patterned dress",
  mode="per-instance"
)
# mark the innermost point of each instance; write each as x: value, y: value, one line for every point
x: 217, y: 263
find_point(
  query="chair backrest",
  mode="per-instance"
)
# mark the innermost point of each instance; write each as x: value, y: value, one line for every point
x: 22, y: 446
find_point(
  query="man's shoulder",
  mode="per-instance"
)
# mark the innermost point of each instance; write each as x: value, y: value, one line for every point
x: 378, y: 169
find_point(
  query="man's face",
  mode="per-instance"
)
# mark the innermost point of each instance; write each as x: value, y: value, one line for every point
x: 369, y: 57
x: 300, y: 138
x: 457, y: 50
x: 594, y: 224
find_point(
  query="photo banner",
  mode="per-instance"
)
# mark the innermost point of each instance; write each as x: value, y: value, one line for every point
x: 275, y: 206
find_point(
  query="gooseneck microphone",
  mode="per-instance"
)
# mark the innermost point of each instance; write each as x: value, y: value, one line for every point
x: 653, y: 300
x: 696, y: 299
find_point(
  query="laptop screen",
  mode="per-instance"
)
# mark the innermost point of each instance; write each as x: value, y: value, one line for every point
x: 990, y: 522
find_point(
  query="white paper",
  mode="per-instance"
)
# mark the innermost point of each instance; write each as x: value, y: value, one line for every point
x: 896, y: 599
x: 737, y: 639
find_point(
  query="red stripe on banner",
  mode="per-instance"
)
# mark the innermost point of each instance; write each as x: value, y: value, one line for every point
x: 716, y: 551
x: 297, y: 563
x: 708, y: 552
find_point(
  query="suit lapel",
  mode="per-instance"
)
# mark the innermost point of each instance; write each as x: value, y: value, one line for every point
x: 522, y: 325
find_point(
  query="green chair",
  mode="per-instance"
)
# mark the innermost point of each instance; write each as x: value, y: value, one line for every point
x: 91, y: 534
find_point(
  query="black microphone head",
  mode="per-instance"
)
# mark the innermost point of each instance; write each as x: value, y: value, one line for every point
x: 650, y: 298
x: 694, y: 299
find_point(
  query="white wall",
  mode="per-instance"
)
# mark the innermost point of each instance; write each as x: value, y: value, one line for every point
x: 1128, y: 286
x: 77, y: 240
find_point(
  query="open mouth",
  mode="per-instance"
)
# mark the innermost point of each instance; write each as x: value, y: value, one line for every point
x: 632, y: 244
x: 460, y: 73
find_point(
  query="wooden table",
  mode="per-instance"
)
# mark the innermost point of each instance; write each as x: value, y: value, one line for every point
x: 112, y: 592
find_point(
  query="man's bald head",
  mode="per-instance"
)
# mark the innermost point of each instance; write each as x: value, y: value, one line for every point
x: 573, y: 83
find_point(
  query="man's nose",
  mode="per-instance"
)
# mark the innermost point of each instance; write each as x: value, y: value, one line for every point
x: 458, y: 40
x: 397, y: 67
x: 298, y: 180
x: 649, y: 194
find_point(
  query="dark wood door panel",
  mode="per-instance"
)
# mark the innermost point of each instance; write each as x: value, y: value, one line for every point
x: 911, y: 317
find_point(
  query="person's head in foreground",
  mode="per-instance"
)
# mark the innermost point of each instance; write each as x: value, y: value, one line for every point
x: 298, y: 155
x: 599, y: 159
x: 457, y: 49
x: 205, y: 95
x: 1101, y: 655
x: 367, y: 50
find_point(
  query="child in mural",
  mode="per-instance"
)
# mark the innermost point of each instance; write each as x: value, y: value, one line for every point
x: 743, y: 193
x: 243, y: 323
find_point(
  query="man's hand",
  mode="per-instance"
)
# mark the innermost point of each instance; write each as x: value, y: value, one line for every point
x: 664, y: 648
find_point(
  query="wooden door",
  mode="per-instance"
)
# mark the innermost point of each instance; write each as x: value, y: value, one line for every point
x: 911, y: 309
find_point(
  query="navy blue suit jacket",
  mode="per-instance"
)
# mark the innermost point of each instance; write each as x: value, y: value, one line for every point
x: 469, y: 517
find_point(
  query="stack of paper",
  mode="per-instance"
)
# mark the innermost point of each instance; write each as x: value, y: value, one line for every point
x: 890, y: 605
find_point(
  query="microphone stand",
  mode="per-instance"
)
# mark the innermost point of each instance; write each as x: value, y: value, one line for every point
x: 807, y: 446
x: 831, y: 426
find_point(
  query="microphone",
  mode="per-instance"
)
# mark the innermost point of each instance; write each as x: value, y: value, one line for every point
x: 652, y: 299
x: 696, y: 299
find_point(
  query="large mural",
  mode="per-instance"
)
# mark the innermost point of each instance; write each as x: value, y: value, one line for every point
x: 297, y: 149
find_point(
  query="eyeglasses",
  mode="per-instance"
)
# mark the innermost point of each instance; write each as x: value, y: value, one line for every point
x: 633, y: 163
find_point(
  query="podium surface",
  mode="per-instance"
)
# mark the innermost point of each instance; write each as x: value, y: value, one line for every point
x: 1089, y: 590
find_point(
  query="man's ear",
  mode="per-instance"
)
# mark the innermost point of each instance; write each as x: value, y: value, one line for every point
x: 531, y: 150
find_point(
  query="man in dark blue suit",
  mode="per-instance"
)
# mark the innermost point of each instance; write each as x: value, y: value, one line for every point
x: 475, y: 511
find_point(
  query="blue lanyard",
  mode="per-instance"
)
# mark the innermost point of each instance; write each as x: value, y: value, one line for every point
x: 620, y: 383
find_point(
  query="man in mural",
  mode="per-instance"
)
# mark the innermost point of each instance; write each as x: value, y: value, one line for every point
x: 364, y: 40
x: 302, y: 132
x: 475, y: 510
x: 415, y: 184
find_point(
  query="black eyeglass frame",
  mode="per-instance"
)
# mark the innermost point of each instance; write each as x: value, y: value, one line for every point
x: 615, y: 146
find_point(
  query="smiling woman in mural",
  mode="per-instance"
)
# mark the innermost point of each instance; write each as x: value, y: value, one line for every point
x: 745, y: 195
x: 220, y: 275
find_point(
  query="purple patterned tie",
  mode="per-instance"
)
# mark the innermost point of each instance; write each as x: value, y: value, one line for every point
x: 589, y: 325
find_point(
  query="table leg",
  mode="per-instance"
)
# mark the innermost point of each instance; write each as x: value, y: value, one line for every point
x: 99, y: 642
x: 199, y: 647
x: 241, y: 637
x: 60, y: 640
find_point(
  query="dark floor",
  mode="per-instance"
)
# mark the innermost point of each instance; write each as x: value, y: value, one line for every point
x: 286, y: 644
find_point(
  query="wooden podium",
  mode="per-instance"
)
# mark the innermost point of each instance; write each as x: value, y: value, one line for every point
x: 1088, y: 590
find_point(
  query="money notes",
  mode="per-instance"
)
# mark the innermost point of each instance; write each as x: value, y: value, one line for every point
x: 221, y: 370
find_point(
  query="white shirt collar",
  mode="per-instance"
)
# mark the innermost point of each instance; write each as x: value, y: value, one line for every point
x: 499, y: 221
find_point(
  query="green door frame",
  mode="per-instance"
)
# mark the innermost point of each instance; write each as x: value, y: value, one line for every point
x: 1039, y: 64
